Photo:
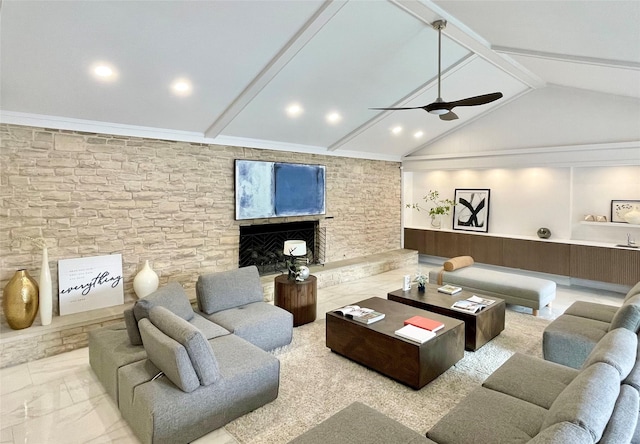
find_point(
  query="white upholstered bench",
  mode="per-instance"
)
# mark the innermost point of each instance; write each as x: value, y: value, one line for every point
x: 526, y: 291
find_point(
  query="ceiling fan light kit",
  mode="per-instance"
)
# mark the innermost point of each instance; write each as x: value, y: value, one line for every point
x: 439, y: 107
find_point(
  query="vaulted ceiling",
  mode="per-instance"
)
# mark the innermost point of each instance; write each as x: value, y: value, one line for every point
x: 246, y: 62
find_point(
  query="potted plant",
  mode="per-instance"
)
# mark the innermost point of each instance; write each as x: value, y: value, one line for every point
x: 439, y: 207
x: 421, y: 279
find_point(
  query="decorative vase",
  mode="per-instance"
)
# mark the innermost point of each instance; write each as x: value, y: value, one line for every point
x: 421, y: 287
x: 632, y: 217
x: 46, y: 293
x: 146, y: 281
x: 20, y: 300
x: 544, y: 233
x: 436, y: 220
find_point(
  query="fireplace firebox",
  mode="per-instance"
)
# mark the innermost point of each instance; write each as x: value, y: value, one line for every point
x: 261, y: 245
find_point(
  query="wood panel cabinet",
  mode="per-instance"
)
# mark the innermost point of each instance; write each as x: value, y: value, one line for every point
x: 545, y: 257
x: 618, y: 266
x: 612, y: 265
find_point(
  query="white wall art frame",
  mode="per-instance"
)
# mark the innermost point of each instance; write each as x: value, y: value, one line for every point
x: 89, y: 283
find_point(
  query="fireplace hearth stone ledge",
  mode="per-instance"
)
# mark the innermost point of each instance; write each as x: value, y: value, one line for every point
x: 66, y: 333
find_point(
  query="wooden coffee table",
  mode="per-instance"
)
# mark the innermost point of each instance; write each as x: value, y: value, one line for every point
x: 377, y: 347
x: 480, y: 327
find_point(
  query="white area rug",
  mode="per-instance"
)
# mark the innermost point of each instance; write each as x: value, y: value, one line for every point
x: 316, y: 383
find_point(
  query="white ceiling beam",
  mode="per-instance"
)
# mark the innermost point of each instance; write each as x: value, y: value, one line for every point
x: 568, y: 58
x: 427, y: 11
x: 324, y: 14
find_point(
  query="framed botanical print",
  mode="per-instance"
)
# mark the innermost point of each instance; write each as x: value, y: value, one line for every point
x: 619, y: 208
x: 471, y: 210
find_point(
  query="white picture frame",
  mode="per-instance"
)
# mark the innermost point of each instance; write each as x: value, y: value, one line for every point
x: 90, y: 283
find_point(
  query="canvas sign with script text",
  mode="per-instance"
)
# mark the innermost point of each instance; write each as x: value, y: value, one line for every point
x: 89, y: 283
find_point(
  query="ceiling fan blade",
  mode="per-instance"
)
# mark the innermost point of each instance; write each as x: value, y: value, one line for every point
x: 477, y: 100
x: 448, y: 116
x: 392, y: 109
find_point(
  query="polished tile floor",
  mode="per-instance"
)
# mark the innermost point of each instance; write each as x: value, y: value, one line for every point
x: 59, y: 400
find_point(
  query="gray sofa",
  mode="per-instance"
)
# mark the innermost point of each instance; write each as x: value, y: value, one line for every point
x: 176, y: 375
x: 529, y: 400
x: 569, y: 339
x: 526, y: 400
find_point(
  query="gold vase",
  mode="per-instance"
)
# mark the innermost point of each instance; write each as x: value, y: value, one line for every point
x: 20, y: 300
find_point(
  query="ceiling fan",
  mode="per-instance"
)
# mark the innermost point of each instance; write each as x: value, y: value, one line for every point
x: 439, y: 106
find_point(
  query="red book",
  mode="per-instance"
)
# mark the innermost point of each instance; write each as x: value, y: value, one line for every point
x: 427, y: 324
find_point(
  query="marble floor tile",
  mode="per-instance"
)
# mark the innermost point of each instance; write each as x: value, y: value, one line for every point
x: 78, y: 423
x: 33, y: 402
x: 55, y: 367
x: 14, y: 378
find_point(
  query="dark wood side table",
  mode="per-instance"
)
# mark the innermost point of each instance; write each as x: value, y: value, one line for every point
x: 298, y: 298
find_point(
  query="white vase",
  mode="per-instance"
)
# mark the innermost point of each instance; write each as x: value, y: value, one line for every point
x: 46, y: 293
x: 146, y: 281
x: 436, y: 220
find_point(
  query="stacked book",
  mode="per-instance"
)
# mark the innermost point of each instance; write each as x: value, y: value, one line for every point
x: 419, y: 329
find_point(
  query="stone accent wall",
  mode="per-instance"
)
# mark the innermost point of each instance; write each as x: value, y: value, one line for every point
x: 169, y: 202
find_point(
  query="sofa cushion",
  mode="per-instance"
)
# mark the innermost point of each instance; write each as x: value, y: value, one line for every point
x: 228, y: 289
x: 531, y: 379
x: 618, y: 349
x: 624, y: 419
x: 568, y: 340
x: 198, y: 348
x: 251, y: 321
x: 588, y: 400
x: 209, y: 329
x: 487, y: 416
x: 457, y: 262
x: 628, y: 316
x: 360, y: 424
x: 592, y: 310
x: 634, y: 291
x: 562, y: 433
x: 169, y: 356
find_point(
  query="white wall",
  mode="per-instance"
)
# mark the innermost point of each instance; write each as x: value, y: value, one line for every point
x: 525, y: 199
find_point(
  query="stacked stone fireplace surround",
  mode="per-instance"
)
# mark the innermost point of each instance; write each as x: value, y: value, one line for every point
x: 171, y: 203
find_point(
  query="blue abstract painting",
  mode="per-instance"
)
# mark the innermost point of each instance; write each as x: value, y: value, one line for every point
x: 277, y: 189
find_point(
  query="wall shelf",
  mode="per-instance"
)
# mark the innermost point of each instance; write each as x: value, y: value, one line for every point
x: 610, y: 224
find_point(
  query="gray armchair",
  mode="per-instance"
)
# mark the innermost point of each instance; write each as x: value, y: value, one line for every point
x: 234, y: 300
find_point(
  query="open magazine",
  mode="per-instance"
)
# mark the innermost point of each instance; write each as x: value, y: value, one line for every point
x: 474, y: 304
x: 360, y: 314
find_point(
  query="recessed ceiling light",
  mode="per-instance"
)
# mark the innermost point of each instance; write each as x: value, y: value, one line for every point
x: 334, y: 117
x: 103, y: 71
x: 418, y: 134
x: 181, y: 87
x: 396, y: 130
x: 294, y: 110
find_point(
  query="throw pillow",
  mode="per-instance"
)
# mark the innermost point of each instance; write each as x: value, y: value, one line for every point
x: 198, y: 348
x: 457, y: 262
x: 169, y: 356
